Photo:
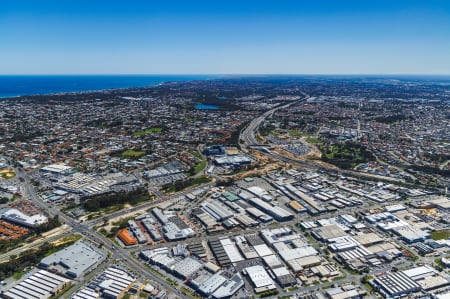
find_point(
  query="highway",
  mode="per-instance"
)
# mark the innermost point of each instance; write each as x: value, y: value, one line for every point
x: 126, y: 256
x: 248, y: 134
x: 248, y: 140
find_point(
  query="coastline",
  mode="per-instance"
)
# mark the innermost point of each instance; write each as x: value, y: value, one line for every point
x: 17, y: 86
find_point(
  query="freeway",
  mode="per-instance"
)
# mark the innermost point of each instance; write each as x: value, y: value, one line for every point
x: 247, y: 136
x: 248, y: 140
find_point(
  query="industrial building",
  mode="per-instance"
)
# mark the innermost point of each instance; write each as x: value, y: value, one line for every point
x: 207, y: 283
x: 173, y: 227
x: 229, y: 287
x: 257, y: 214
x: 386, y: 221
x: 276, y: 235
x: 148, y: 223
x: 231, y: 250
x: 219, y: 252
x: 127, y: 239
x: 85, y: 293
x: 395, y: 285
x: 186, y: 267
x: 214, y: 150
x: 284, y: 277
x: 260, y: 279
x: 58, y: 169
x: 112, y: 283
x: 237, y: 160
x: 87, y: 185
x: 40, y: 285
x: 325, y: 233
x: 345, y: 292
x: 297, y: 207
x: 137, y: 232
x: 276, y: 212
x: 217, y: 212
x: 428, y: 278
x: 74, y: 260
x: 197, y: 249
x: 411, y: 234
x: 260, y: 193
x: 17, y: 217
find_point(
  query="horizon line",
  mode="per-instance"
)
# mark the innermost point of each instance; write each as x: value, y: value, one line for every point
x: 229, y: 74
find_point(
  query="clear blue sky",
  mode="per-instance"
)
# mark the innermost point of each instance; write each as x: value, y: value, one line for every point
x: 224, y: 37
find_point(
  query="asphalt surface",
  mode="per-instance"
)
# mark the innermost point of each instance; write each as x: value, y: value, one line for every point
x: 115, y: 252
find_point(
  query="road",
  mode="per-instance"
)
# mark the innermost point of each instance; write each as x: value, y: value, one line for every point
x: 247, y: 136
x: 116, y: 252
x: 123, y: 255
x: 35, y: 244
x: 248, y: 140
x: 147, y: 205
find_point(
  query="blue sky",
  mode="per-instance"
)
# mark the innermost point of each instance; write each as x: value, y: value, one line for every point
x: 224, y: 37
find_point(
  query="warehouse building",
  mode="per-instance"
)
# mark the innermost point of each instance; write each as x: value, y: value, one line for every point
x: 411, y: 234
x: 17, y: 217
x: 428, y: 278
x: 395, y: 285
x: 277, y: 235
x: 298, y: 195
x: 259, y: 215
x: 186, y: 267
x: 86, y: 293
x: 74, y: 260
x: 197, y: 249
x: 217, y: 212
x: 174, y: 228
x: 219, y: 252
x: 296, y: 206
x: 112, y: 283
x: 260, y: 193
x: 137, y: 232
x: 40, y: 285
x: 345, y: 292
x: 276, y: 212
x: 246, y: 221
x: 229, y: 288
x: 231, y: 250
x: 211, y: 284
x: 127, y: 239
x: 284, y: 277
x: 148, y: 224
x: 57, y: 169
x: 174, y: 233
x: 260, y: 279
x: 237, y: 160
x: 325, y: 233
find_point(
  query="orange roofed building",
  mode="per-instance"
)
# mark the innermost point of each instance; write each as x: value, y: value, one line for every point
x: 126, y: 238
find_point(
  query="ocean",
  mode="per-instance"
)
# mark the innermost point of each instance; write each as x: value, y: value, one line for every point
x: 21, y: 85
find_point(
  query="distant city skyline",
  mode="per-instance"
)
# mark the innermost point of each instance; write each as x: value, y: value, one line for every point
x: 225, y: 37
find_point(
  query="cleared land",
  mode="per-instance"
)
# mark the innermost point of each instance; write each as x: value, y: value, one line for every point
x: 440, y: 234
x: 132, y: 154
x: 7, y: 173
x: 148, y: 131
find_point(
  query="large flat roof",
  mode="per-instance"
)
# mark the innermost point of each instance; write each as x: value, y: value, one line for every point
x: 259, y: 276
x: 76, y: 259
